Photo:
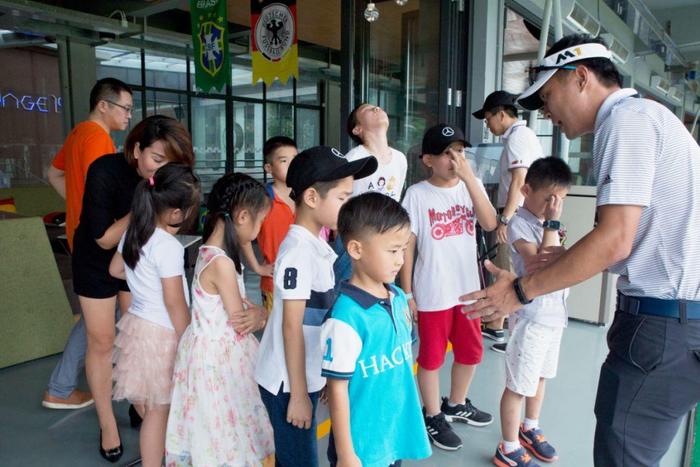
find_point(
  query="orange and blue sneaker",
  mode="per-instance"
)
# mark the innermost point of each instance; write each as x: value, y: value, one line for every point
x: 517, y: 458
x: 534, y: 441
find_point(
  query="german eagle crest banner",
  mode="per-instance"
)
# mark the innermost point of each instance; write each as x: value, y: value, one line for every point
x: 212, y: 65
x: 273, y: 40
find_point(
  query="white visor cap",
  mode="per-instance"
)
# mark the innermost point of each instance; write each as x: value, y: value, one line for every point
x: 530, y: 98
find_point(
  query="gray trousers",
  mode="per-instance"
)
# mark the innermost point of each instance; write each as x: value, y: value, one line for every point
x: 64, y: 378
x: 649, y: 381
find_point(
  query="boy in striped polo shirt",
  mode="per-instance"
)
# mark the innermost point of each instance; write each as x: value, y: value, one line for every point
x: 367, y: 357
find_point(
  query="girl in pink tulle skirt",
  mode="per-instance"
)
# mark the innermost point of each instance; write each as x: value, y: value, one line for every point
x: 151, y: 260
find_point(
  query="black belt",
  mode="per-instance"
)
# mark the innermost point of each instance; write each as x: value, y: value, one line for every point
x: 678, y: 309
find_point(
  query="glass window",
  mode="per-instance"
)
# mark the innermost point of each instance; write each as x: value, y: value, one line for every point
x: 248, y: 138
x: 120, y: 63
x: 280, y: 120
x: 209, y: 139
x: 169, y: 72
x: 281, y: 92
x: 308, y: 128
x: 242, y: 78
x: 308, y: 87
x: 167, y: 103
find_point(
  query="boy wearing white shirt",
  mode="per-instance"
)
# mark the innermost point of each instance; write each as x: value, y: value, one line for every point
x: 444, y: 210
x: 533, y: 351
x: 288, y: 370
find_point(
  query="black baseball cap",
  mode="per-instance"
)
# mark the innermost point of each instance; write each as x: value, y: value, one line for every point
x: 493, y: 100
x: 324, y: 164
x: 437, y: 138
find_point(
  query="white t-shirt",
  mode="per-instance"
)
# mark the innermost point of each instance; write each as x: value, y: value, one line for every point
x: 549, y: 309
x: 162, y: 256
x: 444, y: 223
x: 303, y: 271
x: 520, y: 149
x: 388, y: 179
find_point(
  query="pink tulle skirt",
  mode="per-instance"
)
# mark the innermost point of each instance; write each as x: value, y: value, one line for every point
x: 144, y: 356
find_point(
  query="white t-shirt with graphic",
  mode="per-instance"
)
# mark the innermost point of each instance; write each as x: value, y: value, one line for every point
x: 387, y: 180
x: 444, y: 223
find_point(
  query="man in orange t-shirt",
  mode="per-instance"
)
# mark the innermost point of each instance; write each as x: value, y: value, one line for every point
x: 278, y: 152
x: 110, y: 110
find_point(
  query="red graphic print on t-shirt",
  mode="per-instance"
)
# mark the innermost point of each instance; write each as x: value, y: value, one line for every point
x: 457, y: 220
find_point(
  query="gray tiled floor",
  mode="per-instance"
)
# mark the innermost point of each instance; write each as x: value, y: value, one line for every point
x: 33, y: 436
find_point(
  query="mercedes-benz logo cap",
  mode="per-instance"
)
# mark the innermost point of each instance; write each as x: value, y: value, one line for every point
x: 325, y: 164
x: 494, y: 100
x: 437, y: 138
x: 530, y: 98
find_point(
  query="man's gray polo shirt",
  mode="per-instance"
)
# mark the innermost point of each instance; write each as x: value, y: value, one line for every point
x: 644, y: 156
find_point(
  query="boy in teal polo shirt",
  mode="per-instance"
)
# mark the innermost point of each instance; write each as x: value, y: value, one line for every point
x: 367, y: 358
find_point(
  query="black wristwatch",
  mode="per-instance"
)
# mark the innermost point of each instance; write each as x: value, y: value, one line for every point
x: 519, y: 292
x: 551, y: 225
x: 503, y: 220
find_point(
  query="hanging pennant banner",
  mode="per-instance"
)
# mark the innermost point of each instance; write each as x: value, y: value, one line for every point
x: 273, y: 40
x: 212, y: 66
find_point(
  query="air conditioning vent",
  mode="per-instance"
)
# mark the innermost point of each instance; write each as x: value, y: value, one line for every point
x: 583, y: 21
x: 620, y: 53
x: 675, y: 93
x: 660, y: 84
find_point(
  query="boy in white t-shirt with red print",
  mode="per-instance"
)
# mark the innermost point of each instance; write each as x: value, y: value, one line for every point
x: 444, y: 210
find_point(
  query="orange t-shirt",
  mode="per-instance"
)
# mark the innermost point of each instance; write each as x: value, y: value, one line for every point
x: 87, y: 142
x: 273, y: 230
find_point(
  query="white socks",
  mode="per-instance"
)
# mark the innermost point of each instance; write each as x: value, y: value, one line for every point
x: 529, y: 424
x: 510, y: 446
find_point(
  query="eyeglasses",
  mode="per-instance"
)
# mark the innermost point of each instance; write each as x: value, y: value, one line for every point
x: 126, y: 109
x: 535, y: 70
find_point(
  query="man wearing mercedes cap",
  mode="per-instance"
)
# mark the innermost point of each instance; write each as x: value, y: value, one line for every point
x: 647, y: 168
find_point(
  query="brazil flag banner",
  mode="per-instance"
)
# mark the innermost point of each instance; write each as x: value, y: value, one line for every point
x: 273, y: 40
x: 212, y: 64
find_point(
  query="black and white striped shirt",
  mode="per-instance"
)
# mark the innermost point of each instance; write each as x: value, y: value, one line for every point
x: 644, y: 156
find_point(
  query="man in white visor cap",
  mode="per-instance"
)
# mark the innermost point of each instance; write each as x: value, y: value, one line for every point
x: 647, y: 168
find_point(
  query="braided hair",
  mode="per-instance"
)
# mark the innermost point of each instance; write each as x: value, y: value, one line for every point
x: 230, y: 194
x: 173, y: 186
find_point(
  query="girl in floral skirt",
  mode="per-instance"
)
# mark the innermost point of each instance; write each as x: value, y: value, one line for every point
x: 217, y: 417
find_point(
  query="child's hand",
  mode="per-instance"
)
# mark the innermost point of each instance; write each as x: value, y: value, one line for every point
x: 299, y: 411
x: 553, y: 209
x: 250, y: 319
x: 265, y: 270
x: 502, y: 234
x: 461, y: 165
x: 323, y: 397
x: 414, y: 309
x: 349, y: 461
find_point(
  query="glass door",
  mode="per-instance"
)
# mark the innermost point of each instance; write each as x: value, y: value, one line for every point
x: 411, y: 61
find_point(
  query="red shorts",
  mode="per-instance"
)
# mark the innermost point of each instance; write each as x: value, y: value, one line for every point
x: 436, y: 328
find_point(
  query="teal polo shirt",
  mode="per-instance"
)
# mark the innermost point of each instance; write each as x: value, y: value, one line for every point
x: 367, y: 340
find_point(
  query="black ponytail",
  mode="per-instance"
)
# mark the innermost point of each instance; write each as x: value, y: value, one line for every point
x: 230, y: 194
x: 173, y: 186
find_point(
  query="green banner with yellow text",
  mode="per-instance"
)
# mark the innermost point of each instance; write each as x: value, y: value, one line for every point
x: 212, y: 65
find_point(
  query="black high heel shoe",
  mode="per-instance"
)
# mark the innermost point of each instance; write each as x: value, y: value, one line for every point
x: 134, y: 417
x: 114, y: 454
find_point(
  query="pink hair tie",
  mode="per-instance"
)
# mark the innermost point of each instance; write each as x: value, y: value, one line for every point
x: 151, y: 182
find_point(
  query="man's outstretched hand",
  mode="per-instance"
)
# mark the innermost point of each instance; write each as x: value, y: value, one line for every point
x: 496, y: 301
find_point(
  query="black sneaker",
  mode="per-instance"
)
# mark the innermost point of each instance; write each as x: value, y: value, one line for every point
x: 498, y: 335
x: 465, y: 413
x: 440, y: 432
x: 500, y: 348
